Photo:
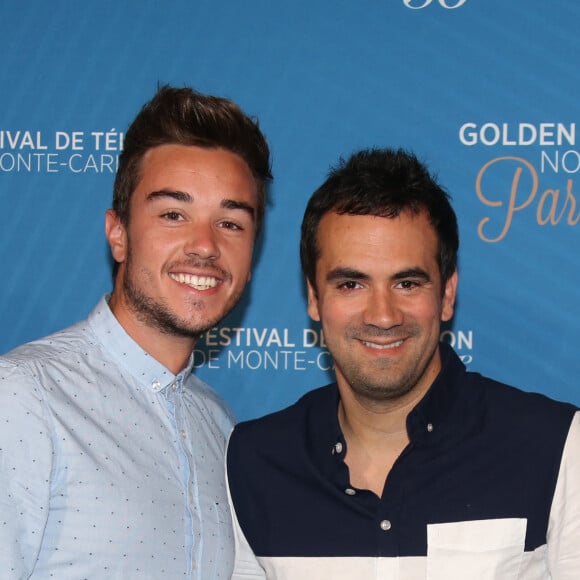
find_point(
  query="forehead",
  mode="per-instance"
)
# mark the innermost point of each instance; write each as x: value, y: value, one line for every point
x: 183, y: 167
x: 367, y: 242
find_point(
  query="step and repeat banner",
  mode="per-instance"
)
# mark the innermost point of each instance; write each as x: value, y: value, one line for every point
x: 484, y: 91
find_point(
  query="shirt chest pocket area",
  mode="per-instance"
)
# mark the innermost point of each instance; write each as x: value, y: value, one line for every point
x: 482, y: 549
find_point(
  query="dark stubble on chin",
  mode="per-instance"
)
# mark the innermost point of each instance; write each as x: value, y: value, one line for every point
x: 380, y: 391
x: 156, y: 314
x: 383, y: 383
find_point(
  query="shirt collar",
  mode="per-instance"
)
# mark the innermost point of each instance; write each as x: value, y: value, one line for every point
x: 434, y: 411
x: 324, y: 436
x: 427, y: 421
x: 146, y: 370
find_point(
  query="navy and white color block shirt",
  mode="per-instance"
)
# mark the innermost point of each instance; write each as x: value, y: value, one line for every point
x: 110, y: 465
x: 488, y: 489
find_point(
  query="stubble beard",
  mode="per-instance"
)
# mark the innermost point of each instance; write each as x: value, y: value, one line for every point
x: 156, y: 313
x: 385, y: 381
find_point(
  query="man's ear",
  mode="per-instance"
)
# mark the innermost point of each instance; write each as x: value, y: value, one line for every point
x: 312, y: 302
x: 448, y: 303
x: 116, y: 235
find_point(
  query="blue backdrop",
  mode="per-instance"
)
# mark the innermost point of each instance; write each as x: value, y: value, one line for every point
x: 485, y: 91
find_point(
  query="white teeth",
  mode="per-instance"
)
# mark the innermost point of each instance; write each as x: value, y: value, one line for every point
x: 382, y: 346
x: 197, y: 282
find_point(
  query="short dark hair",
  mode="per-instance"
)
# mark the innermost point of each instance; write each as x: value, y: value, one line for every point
x: 182, y: 116
x: 382, y: 183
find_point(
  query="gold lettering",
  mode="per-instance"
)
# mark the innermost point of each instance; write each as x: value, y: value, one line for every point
x: 554, y: 194
x: 572, y: 219
x: 512, y: 206
x: 553, y: 216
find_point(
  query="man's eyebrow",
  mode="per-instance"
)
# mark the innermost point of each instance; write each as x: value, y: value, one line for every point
x: 242, y: 205
x: 176, y: 195
x: 345, y: 273
x: 352, y: 274
x: 413, y: 273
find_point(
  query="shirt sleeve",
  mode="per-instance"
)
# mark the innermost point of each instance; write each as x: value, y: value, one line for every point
x: 564, y: 524
x: 26, y: 456
x: 246, y: 565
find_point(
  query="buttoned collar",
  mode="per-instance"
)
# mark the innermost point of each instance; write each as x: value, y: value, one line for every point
x: 434, y: 412
x: 432, y: 418
x: 146, y: 370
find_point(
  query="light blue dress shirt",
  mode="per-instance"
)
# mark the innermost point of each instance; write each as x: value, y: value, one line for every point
x: 110, y: 466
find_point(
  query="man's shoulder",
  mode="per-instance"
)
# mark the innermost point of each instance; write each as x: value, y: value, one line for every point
x: 474, y: 392
x: 290, y: 421
x: 512, y: 413
x: 522, y: 403
x: 34, y: 373
x: 54, y: 349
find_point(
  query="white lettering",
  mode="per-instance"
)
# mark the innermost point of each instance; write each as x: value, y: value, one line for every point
x: 420, y: 4
x: 64, y: 140
x: 113, y: 140
x: 459, y: 340
x: 22, y: 140
x: 522, y: 134
x: 104, y: 163
x: 276, y: 360
x: 29, y: 162
x: 202, y: 358
x: 569, y: 161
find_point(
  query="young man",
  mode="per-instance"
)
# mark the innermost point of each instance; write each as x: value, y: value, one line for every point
x: 112, y: 451
x: 408, y: 467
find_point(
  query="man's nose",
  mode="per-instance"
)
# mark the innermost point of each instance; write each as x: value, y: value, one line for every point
x: 202, y: 241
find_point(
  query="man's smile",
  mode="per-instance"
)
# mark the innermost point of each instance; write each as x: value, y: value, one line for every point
x: 382, y: 346
x: 196, y: 282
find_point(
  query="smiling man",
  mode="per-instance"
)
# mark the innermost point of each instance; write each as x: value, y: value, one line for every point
x: 112, y: 450
x: 408, y: 467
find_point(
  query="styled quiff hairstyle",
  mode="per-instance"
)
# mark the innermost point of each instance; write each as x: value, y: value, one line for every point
x: 182, y: 116
x: 382, y: 183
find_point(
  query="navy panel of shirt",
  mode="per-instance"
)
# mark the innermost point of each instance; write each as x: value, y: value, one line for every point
x: 479, y: 450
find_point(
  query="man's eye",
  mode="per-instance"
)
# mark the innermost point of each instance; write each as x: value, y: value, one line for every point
x: 349, y: 285
x: 230, y: 225
x: 408, y: 284
x: 172, y: 215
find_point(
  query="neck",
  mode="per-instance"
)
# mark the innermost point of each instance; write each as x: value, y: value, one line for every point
x: 371, y: 427
x: 369, y: 418
x: 375, y: 437
x: 171, y: 351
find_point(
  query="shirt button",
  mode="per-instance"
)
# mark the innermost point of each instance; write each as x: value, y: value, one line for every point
x: 174, y: 387
x: 430, y: 427
x: 182, y: 433
x: 156, y: 385
x: 385, y: 525
x: 350, y: 491
x: 338, y: 447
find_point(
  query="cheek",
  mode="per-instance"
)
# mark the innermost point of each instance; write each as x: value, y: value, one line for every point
x: 155, y: 246
x: 336, y: 315
x: 430, y: 311
x: 140, y: 250
x: 147, y: 257
x: 426, y: 312
x: 239, y: 258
